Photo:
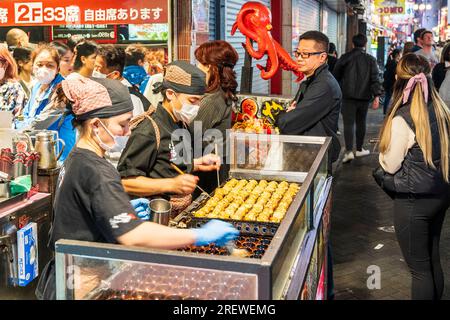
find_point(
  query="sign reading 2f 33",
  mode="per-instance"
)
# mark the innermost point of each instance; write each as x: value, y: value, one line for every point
x: 34, y: 12
x: 59, y: 12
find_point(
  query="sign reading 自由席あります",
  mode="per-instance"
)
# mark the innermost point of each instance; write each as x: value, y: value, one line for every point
x: 59, y: 12
x: 390, y: 7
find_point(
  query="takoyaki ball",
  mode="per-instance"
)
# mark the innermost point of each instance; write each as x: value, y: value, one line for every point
x: 251, y: 216
x: 258, y: 208
x: 263, y: 218
x: 275, y: 219
x: 199, y: 214
x: 284, y: 184
x: 266, y: 196
x: 219, y: 193
x: 294, y: 185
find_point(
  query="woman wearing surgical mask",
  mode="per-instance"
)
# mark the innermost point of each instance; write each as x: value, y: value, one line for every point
x: 12, y: 95
x: 90, y: 202
x: 41, y: 111
x: 154, y: 144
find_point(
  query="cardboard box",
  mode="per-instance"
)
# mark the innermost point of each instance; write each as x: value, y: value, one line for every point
x: 27, y: 254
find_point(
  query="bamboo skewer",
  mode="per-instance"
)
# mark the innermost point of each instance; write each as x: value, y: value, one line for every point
x: 216, y: 151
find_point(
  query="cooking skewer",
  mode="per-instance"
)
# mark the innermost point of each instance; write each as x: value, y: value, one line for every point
x: 216, y: 151
x: 181, y: 172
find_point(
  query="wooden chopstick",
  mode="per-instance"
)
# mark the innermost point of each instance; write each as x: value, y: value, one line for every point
x: 181, y: 172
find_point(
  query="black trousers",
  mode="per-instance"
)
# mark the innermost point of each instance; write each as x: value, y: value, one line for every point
x: 354, y: 111
x: 418, y: 224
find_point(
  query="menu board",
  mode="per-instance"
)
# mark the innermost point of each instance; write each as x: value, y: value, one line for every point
x: 87, y: 31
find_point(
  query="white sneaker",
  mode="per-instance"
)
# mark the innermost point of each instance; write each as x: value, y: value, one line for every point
x: 362, y: 153
x: 349, y: 156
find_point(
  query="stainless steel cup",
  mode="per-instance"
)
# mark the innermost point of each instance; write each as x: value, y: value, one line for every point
x: 160, y: 211
x: 4, y: 189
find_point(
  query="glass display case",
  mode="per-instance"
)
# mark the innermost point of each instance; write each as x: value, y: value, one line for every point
x: 278, y: 255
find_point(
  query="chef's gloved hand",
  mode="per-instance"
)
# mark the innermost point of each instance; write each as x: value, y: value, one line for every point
x: 141, y: 207
x: 215, y: 231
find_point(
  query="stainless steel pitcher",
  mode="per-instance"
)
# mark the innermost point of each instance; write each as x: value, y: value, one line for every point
x: 46, y: 145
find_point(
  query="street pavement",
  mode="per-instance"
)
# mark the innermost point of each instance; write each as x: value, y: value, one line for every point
x: 362, y: 231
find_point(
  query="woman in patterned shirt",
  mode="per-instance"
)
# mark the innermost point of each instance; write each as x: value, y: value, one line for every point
x: 12, y: 95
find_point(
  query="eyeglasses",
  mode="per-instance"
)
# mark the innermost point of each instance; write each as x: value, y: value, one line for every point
x: 306, y: 55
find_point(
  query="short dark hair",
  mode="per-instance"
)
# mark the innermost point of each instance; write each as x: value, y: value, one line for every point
x: 73, y: 41
x: 424, y: 33
x: 332, y: 48
x: 395, y: 53
x: 61, y: 47
x: 114, y: 57
x: 320, y: 38
x: 359, y: 40
x: 134, y: 53
x: 22, y: 54
x: 84, y: 49
x: 417, y: 34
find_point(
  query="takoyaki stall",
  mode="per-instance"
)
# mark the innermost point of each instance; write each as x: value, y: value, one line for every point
x: 277, y: 194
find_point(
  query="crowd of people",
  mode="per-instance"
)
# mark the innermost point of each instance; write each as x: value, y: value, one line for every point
x: 123, y: 107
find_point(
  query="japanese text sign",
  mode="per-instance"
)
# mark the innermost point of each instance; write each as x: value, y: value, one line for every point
x: 388, y: 7
x: 59, y: 12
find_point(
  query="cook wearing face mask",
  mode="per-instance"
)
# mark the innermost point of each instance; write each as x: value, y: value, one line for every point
x: 154, y: 143
x: 42, y: 112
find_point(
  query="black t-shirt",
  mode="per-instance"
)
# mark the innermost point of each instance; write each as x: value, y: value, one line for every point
x: 90, y: 202
x: 141, y: 156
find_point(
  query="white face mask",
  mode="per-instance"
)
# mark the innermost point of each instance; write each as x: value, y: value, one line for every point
x: 104, y: 146
x: 99, y: 75
x: 44, y: 75
x: 2, y: 73
x: 187, y: 113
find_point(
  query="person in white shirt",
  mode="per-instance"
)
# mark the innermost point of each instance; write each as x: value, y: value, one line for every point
x: 427, y: 50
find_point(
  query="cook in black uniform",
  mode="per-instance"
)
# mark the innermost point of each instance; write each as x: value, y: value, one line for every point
x: 90, y: 202
x: 156, y: 140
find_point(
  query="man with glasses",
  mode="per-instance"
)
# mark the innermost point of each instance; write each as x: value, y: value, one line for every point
x: 316, y: 106
x: 357, y: 73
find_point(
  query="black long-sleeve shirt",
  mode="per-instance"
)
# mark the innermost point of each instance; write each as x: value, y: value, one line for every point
x: 319, y: 101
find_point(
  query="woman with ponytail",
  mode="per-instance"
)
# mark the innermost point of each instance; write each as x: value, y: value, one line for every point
x: 217, y: 59
x: 414, y: 156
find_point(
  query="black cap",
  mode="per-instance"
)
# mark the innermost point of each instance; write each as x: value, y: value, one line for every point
x: 183, y: 77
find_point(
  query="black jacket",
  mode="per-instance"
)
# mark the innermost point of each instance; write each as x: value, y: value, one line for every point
x: 439, y: 72
x: 331, y: 62
x: 319, y: 101
x: 389, y: 75
x: 415, y: 175
x: 357, y: 73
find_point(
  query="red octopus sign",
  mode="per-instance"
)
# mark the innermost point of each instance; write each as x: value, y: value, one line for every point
x: 254, y: 21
